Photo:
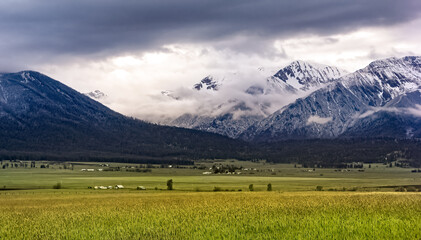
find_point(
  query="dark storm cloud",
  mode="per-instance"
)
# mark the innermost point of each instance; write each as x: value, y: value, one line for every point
x: 34, y: 31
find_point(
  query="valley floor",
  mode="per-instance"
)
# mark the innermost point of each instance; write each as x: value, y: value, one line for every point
x: 353, y: 204
x: 283, y: 177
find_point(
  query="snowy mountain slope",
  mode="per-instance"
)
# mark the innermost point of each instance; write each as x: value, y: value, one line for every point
x: 226, y: 124
x: 257, y: 101
x: 399, y: 118
x: 30, y: 93
x: 329, y: 112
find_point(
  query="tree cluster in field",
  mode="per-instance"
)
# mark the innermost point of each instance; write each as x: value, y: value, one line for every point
x: 408, y: 188
x: 220, y: 168
x: 170, y: 185
x: 32, y: 164
x: 18, y: 164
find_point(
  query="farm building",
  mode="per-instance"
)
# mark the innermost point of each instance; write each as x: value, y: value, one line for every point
x: 119, y: 186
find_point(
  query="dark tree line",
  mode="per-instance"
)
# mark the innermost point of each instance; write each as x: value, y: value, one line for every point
x: 340, y: 153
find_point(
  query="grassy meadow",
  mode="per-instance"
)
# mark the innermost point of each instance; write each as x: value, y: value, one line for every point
x: 211, y: 215
x: 354, y: 204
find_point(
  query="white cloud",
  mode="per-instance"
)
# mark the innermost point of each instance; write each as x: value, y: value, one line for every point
x: 318, y: 120
x: 415, y: 111
x: 357, y: 49
x: 133, y: 82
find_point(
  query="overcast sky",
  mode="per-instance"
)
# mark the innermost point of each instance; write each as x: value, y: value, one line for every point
x: 133, y: 49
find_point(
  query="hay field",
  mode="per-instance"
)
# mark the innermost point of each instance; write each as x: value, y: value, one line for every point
x: 210, y: 215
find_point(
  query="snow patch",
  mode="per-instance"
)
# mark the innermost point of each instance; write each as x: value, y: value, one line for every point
x: 26, y: 76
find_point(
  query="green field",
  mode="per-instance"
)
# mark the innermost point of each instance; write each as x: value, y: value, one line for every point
x: 354, y: 204
x: 283, y: 177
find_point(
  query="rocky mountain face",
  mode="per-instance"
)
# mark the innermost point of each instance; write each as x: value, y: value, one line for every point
x: 208, y: 83
x: 43, y: 116
x: 226, y: 124
x: 381, y: 100
x: 233, y: 116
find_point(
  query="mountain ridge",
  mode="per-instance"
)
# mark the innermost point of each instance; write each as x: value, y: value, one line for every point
x: 342, y: 101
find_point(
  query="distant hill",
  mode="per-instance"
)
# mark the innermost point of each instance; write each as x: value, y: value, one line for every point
x: 43, y: 118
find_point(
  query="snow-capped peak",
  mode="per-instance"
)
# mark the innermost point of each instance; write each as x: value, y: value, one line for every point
x: 297, y: 77
x: 305, y: 76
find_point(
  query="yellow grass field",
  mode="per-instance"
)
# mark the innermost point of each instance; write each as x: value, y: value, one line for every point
x: 210, y: 215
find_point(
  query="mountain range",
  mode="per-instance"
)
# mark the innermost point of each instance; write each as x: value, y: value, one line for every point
x: 380, y: 100
x: 331, y: 114
x: 233, y: 116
